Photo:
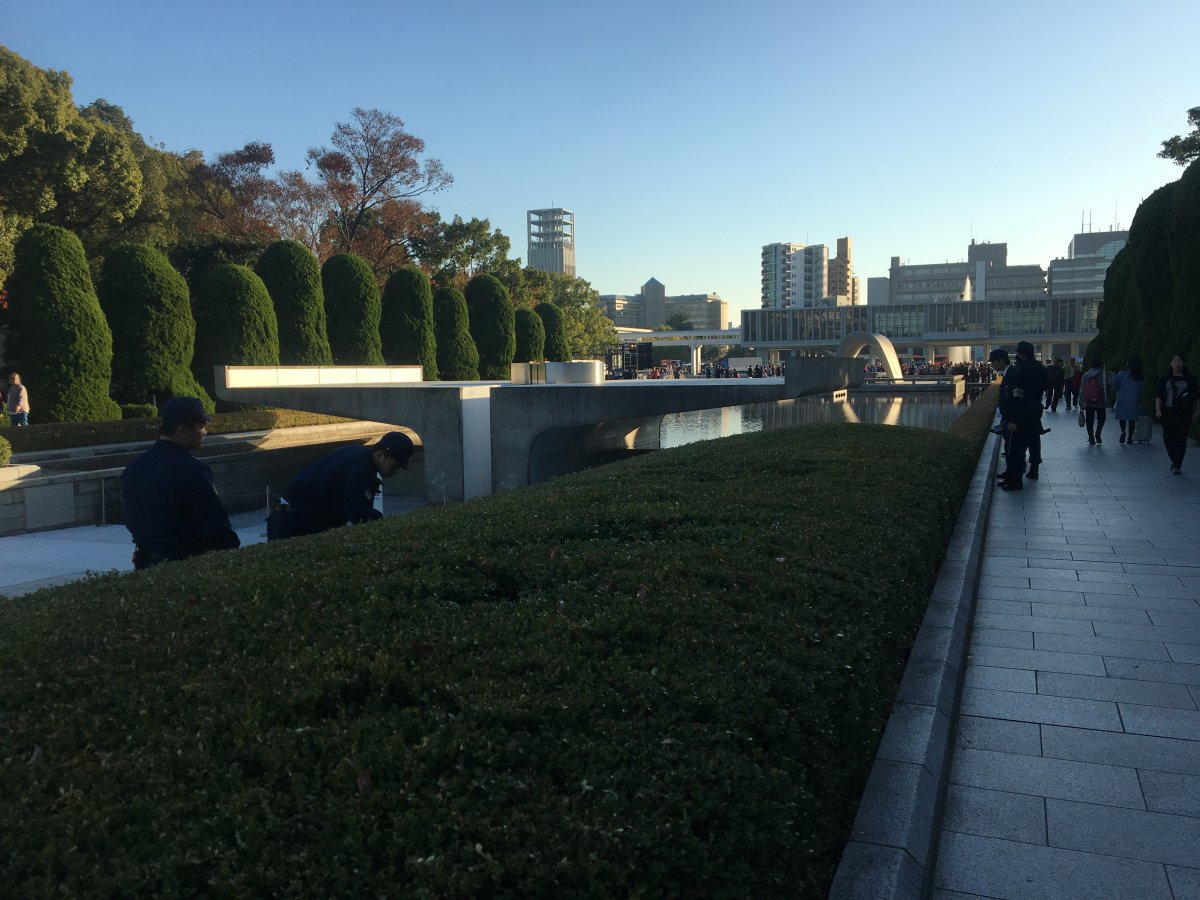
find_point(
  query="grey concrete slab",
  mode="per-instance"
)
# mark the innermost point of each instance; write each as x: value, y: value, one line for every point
x: 1184, y: 882
x: 1174, y: 633
x: 1129, y: 600
x: 1156, y: 720
x: 1002, y: 637
x: 1151, y: 670
x: 897, y: 808
x: 1185, y: 618
x: 1185, y: 653
x: 870, y: 872
x: 1077, y: 663
x: 1002, y: 735
x: 997, y: 814
x: 1012, y: 870
x: 916, y: 734
x: 1002, y: 607
x: 1171, y: 792
x: 994, y: 583
x: 1030, y: 623
x: 1140, y: 834
x: 1117, y: 749
x: 1043, y: 709
x: 1090, y: 687
x: 1073, y: 643
x: 999, y: 679
x: 1090, y: 613
x: 1062, y: 779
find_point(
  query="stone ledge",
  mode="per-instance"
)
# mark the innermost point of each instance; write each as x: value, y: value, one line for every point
x: 892, y: 848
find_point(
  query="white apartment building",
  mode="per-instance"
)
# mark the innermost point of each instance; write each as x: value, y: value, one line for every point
x: 803, y: 275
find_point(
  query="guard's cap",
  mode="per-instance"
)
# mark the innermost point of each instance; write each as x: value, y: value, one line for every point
x: 998, y: 353
x: 398, y: 446
x: 1025, y: 349
x: 182, y: 411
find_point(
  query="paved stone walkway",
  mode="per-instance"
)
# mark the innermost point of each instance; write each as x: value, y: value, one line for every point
x: 1076, y: 769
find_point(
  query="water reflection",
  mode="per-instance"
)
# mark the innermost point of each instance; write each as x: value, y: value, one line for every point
x: 922, y: 411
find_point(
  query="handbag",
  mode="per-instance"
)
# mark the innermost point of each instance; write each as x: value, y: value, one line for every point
x: 1082, y: 419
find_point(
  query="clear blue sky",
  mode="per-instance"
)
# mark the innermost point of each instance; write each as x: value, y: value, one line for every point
x: 684, y: 135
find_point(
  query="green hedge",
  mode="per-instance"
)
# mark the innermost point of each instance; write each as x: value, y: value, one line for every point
x: 86, y: 434
x: 658, y: 678
x: 5, y: 452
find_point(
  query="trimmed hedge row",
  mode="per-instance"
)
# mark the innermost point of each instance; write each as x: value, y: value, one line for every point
x: 662, y: 677
x: 61, y: 436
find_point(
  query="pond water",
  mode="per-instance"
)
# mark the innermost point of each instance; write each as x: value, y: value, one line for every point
x: 935, y: 411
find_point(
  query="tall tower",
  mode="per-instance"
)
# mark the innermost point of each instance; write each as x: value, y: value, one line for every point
x: 551, y: 234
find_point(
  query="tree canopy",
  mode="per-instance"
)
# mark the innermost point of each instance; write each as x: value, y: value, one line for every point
x: 1183, y: 149
x: 456, y: 251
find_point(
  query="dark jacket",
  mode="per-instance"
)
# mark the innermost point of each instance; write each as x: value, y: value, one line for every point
x: 337, y: 489
x: 171, y: 507
x: 1034, y: 378
x: 1177, y: 401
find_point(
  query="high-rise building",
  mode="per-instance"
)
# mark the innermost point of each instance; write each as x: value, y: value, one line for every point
x: 842, y: 281
x: 551, y: 234
x: 776, y: 274
x: 800, y: 275
x: 1081, y: 273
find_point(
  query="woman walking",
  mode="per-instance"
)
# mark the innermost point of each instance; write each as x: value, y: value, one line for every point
x: 1130, y: 382
x: 1093, y: 397
x: 1177, y: 401
x: 1073, y: 374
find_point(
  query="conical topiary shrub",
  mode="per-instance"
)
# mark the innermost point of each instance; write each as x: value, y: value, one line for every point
x: 293, y: 279
x: 457, y: 358
x: 558, y: 349
x: 352, y: 308
x: 235, y: 325
x: 406, y: 323
x: 490, y: 312
x: 531, y: 336
x: 150, y: 313
x: 58, y: 338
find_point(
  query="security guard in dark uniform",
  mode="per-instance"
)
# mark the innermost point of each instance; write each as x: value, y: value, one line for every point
x: 339, y: 488
x: 1034, y: 376
x: 1012, y: 419
x: 171, y: 506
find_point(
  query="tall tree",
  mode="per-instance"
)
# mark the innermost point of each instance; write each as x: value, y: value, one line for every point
x: 373, y: 161
x: 352, y: 310
x: 235, y: 324
x: 558, y: 348
x: 293, y: 279
x: 457, y: 356
x: 588, y: 331
x: 491, y: 321
x: 406, y: 324
x: 1182, y: 149
x: 531, y: 336
x: 454, y: 252
x: 232, y: 192
x: 59, y: 339
x: 147, y: 306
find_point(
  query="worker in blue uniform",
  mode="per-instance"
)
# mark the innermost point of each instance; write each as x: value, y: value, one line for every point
x: 171, y: 507
x: 1012, y: 420
x: 1034, y: 377
x: 339, y: 488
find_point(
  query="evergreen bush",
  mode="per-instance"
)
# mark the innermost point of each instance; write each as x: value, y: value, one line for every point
x: 352, y: 309
x: 490, y: 313
x: 140, y: 410
x: 5, y: 452
x: 457, y: 357
x: 235, y: 324
x: 150, y: 313
x: 406, y: 323
x: 558, y: 349
x: 293, y: 279
x: 531, y: 336
x: 58, y: 338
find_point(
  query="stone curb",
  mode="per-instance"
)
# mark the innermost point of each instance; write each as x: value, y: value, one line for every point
x: 893, y: 844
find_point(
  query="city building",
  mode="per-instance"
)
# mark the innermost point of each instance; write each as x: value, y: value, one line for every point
x: 551, y: 236
x: 652, y: 308
x: 803, y: 275
x: 1081, y: 273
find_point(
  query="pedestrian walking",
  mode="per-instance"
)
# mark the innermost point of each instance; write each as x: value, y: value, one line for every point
x: 171, y: 507
x: 17, y: 400
x: 1130, y: 383
x: 339, y: 488
x: 1177, y: 401
x: 1093, y: 393
x: 1013, y: 417
x: 1033, y: 378
x: 1055, y: 383
x: 1074, y: 377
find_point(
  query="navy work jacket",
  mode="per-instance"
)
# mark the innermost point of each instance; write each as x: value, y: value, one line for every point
x: 337, y: 489
x: 171, y: 506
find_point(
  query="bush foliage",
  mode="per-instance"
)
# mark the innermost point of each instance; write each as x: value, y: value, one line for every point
x: 292, y: 276
x: 490, y: 313
x: 58, y: 337
x: 531, y: 336
x: 149, y: 311
x: 406, y: 324
x: 558, y: 348
x: 5, y: 452
x: 667, y: 681
x: 352, y: 309
x: 235, y: 324
x: 457, y: 357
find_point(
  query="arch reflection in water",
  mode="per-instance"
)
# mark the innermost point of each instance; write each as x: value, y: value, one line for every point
x: 934, y: 412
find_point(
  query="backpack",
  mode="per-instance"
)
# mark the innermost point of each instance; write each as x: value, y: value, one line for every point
x: 1093, y: 391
